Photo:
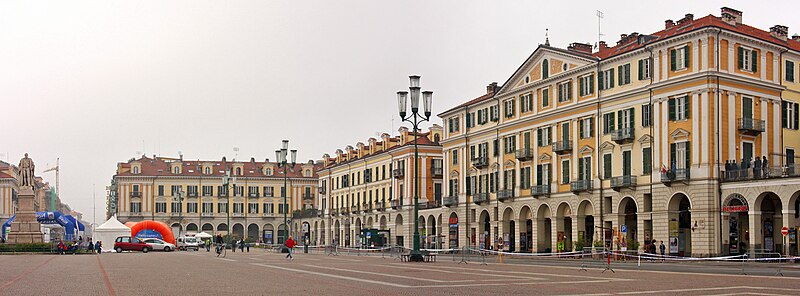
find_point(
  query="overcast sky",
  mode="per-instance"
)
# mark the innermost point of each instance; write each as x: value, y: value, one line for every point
x: 97, y: 82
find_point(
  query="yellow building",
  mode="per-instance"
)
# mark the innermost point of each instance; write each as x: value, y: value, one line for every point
x: 634, y: 142
x: 190, y: 196
x: 370, y: 186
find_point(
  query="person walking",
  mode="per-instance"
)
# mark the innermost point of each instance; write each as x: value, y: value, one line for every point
x: 241, y: 245
x: 662, y: 248
x: 90, y: 246
x: 99, y: 247
x: 290, y: 243
x: 247, y: 245
x: 61, y: 247
x: 233, y: 247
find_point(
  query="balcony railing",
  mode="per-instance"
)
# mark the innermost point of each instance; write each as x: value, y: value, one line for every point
x: 268, y: 214
x: 353, y: 209
x: 678, y: 175
x: 136, y: 194
x: 208, y: 214
x: 581, y: 186
x: 750, y: 125
x: 437, y: 172
x: 191, y: 194
x: 480, y: 162
x: 381, y: 206
x: 366, y: 207
x: 395, y: 204
x: 238, y: 215
x: 305, y: 214
x: 540, y: 190
x: 174, y: 214
x: 344, y: 211
x: 334, y: 212
x: 562, y: 147
x: 308, y: 196
x: 431, y: 204
x: 505, y: 194
x: 761, y: 173
x: 524, y: 154
x: 321, y: 190
x: 620, y: 182
x: 450, y: 201
x: 399, y: 172
x: 480, y: 197
x: 623, y: 135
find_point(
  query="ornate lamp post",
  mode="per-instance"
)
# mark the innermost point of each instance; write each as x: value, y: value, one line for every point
x: 226, y: 182
x: 179, y: 199
x: 280, y: 156
x: 415, y: 119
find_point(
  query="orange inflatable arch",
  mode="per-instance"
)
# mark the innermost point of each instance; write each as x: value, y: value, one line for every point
x: 160, y: 227
x: 130, y: 224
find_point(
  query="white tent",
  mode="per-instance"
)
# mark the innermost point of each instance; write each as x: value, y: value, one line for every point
x: 109, y: 231
x: 203, y: 235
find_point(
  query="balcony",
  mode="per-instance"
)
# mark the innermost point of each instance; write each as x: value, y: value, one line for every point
x: 478, y: 198
x: 321, y: 190
x: 399, y: 173
x: 334, y: 212
x: 381, y: 206
x: 524, y: 154
x: 678, y: 175
x: 505, y: 194
x: 344, y: 211
x: 208, y: 215
x: 191, y: 194
x: 395, y: 204
x: 136, y: 194
x: 268, y: 215
x: 581, y: 186
x: 367, y: 207
x: 432, y: 204
x: 308, y: 196
x: 252, y: 194
x: 562, y: 147
x: 450, y: 201
x: 540, y: 190
x: 623, y: 135
x: 354, y: 209
x: 238, y: 215
x: 437, y: 172
x: 174, y: 214
x: 305, y: 214
x: 222, y: 194
x: 750, y: 126
x: 627, y: 181
x: 480, y: 162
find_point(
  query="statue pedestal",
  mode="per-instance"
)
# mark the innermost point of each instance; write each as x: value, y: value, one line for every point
x: 25, y: 229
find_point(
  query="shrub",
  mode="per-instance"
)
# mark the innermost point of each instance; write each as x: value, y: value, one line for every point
x: 28, y: 248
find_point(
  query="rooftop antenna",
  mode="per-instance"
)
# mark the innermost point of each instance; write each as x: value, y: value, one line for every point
x: 546, y: 37
x: 599, y: 31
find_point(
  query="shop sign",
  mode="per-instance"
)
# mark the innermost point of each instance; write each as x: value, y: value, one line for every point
x: 734, y: 209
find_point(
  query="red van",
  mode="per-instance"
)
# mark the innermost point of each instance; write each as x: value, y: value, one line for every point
x: 127, y: 243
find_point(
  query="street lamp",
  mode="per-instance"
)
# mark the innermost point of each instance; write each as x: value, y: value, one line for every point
x: 415, y: 119
x: 280, y: 156
x: 226, y: 181
x: 179, y: 199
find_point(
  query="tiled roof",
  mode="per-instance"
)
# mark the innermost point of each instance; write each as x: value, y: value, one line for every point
x: 471, y: 102
x: 161, y: 167
x: 422, y: 139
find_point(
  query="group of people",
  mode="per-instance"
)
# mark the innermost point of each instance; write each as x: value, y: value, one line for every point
x: 650, y: 247
x: 76, y: 245
x: 289, y: 244
x: 759, y: 166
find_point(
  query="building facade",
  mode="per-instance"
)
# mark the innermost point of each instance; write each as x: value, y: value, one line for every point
x: 368, y: 191
x: 686, y: 136
x: 190, y: 196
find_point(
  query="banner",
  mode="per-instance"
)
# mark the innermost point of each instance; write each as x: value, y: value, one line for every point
x: 673, y: 244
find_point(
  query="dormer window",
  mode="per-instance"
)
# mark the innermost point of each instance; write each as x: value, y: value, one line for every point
x: 307, y: 173
x: 176, y: 170
x: 545, y: 69
x: 268, y: 172
x: 238, y: 171
x: 136, y: 170
x: 208, y: 171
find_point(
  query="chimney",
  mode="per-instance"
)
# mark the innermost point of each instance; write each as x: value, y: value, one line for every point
x: 602, y: 46
x: 731, y: 16
x: 252, y: 160
x: 491, y: 88
x: 688, y: 18
x: 779, y: 31
x: 580, y: 47
x: 668, y: 24
x: 796, y: 37
x: 223, y: 159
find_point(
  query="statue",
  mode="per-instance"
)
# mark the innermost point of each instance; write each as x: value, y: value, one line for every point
x: 26, y: 167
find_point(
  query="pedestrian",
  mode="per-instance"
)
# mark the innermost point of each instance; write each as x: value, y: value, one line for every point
x: 289, y: 245
x: 764, y: 165
x: 233, y: 247
x: 248, y: 247
x: 241, y: 245
x: 662, y: 248
x: 99, y: 247
x: 757, y: 168
x: 208, y: 245
x: 61, y: 247
x: 90, y: 247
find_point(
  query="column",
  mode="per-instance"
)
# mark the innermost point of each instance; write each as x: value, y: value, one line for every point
x: 704, y: 53
x: 695, y: 131
x: 765, y: 135
x: 732, y: 125
x: 763, y: 63
x: 657, y: 162
x: 731, y: 57
x: 553, y: 232
x: 706, y: 132
x: 695, y: 56
x: 656, y: 67
x: 665, y: 133
x: 575, y: 229
x: 664, y: 65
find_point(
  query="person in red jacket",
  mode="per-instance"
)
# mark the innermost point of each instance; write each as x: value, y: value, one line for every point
x: 290, y: 243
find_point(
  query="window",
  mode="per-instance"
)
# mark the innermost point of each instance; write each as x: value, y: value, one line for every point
x: 789, y: 71
x: 509, y: 107
x: 644, y: 69
x: 269, y: 208
x: 176, y: 170
x: 606, y: 166
x: 679, y: 108
x: 176, y: 207
x: 191, y: 190
x: 625, y: 118
x: 510, y: 144
x: 679, y: 58
x: 584, y: 168
x: 525, y: 177
x: 565, y: 91
x: 545, y: 69
x: 527, y: 102
x: 191, y: 207
x: 470, y: 120
x: 495, y: 112
x: 252, y: 208
x: 545, y: 97
x: 626, y: 163
x: 208, y: 207
x: 136, y: 207
x: 452, y: 124
x: 543, y: 136
x: 509, y: 179
x: 238, y: 190
x: 208, y: 190
x: 238, y: 208
x: 453, y: 187
x: 586, y: 127
x: 647, y: 161
x: 608, y: 123
x: 565, y: 132
x: 222, y: 207
x: 624, y: 72
x: 680, y: 155
x: 161, y: 207
x: 565, y: 172
x: 160, y: 190
x: 176, y: 189
x: 207, y: 171
x: 454, y: 154
x: 647, y: 115
x: 586, y: 85
x: 135, y: 170
x: 269, y: 191
x: 606, y: 79
x: 136, y: 189
x: 483, y: 116
x: 789, y: 115
x: 748, y: 59
x: 542, y: 174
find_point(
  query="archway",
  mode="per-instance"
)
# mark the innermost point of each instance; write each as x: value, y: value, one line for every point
x: 525, y: 229
x: 509, y: 228
x: 337, y: 233
x: 485, y: 226
x: 322, y: 233
x: 586, y: 230
x: 794, y: 222
x: 369, y: 222
x: 544, y: 229
x: 191, y: 228
x: 268, y: 234
x: 398, y: 230
x: 383, y: 223
x: 208, y: 228
x: 628, y: 220
x: 282, y: 233
x: 238, y: 231
x: 177, y: 229
x: 432, y: 242
x: 735, y: 210
x: 771, y: 222
x: 315, y: 233
x: 564, y: 228
x: 452, y: 230
x: 346, y: 232
x: 252, y: 232
x: 222, y: 228
x: 680, y: 225
x: 440, y: 234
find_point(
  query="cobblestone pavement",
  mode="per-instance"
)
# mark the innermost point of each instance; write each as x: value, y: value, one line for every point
x: 263, y: 273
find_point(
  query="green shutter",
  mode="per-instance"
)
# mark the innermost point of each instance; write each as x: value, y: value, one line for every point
x: 673, y: 60
x: 580, y: 129
x: 591, y: 126
x: 641, y: 66
x: 539, y: 137
x: 741, y: 57
x: 754, y: 61
x: 795, y: 115
x: 569, y: 90
x: 620, y: 77
x: 688, y: 154
x: 611, y: 121
x: 789, y: 71
x: 600, y: 85
x: 686, y: 56
x: 619, y: 119
x: 580, y: 169
x: 591, y: 84
x: 784, y: 116
x: 606, y: 166
x: 671, y: 109
x: 671, y: 155
x: 686, y: 107
x: 611, y: 78
x: 631, y: 121
x: 580, y: 87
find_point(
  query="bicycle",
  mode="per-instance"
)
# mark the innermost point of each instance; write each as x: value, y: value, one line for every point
x: 220, y: 249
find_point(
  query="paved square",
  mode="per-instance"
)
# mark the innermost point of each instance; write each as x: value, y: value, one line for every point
x: 263, y: 273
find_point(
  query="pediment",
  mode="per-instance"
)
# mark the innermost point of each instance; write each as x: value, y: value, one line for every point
x: 473, y: 171
x: 494, y: 166
x: 679, y: 134
x: 586, y: 150
x: 454, y: 174
x: 646, y: 139
x: 532, y: 67
x: 544, y: 157
x: 510, y: 163
x: 606, y: 146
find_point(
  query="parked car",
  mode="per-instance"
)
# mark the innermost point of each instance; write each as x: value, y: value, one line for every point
x: 188, y: 243
x: 159, y: 245
x: 127, y: 243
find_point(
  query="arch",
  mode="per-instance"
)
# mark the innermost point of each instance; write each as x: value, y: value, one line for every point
x: 679, y: 213
x: 252, y: 232
x: 431, y: 233
x: 624, y: 204
x: 485, y: 229
x: 769, y: 222
x: 452, y: 230
x: 177, y: 228
x: 382, y: 223
x: 149, y: 228
x: 564, y: 210
x: 322, y: 233
x: 564, y: 227
x: 543, y: 211
x: 208, y: 227
x: 586, y: 222
x: 191, y: 227
x: 237, y: 231
x: 628, y: 217
x: 222, y: 227
x: 544, y: 229
x: 525, y: 229
x: 509, y: 230
x: 369, y: 222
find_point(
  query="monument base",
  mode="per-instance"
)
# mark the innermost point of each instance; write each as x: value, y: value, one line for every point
x: 25, y: 229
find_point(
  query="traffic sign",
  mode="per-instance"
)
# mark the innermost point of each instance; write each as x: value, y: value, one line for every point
x: 785, y: 231
x: 624, y: 228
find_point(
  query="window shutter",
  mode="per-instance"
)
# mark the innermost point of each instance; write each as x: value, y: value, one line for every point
x: 591, y: 84
x: 754, y: 61
x: 600, y: 85
x: 619, y: 119
x: 686, y: 56
x: 539, y: 137
x: 631, y: 120
x: 580, y: 87
x: 784, y: 116
x: 620, y: 77
x: 611, y: 121
x: 673, y: 60
x: 671, y: 109
x: 795, y: 115
x: 591, y: 126
x: 611, y: 78
x: 741, y: 58
x: 688, y: 155
x: 580, y: 169
x: 686, y: 106
x: 641, y: 66
x: 569, y: 90
x: 671, y: 155
x: 539, y: 174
